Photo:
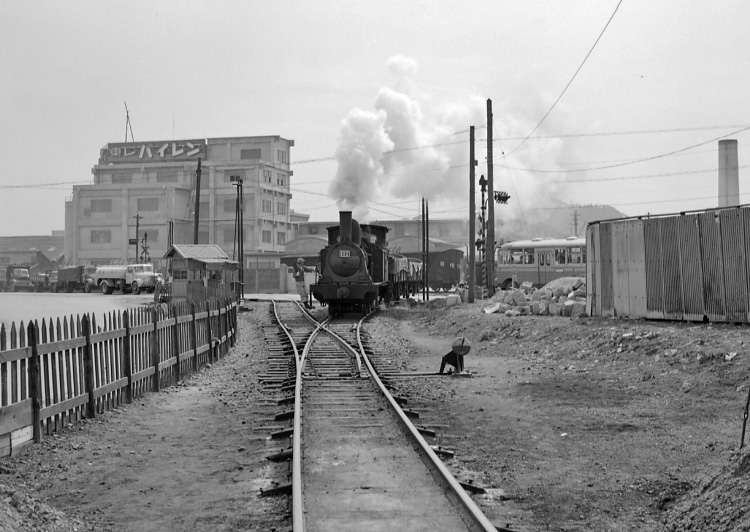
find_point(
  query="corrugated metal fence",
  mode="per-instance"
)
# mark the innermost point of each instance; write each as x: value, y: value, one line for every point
x: 54, y: 374
x: 690, y: 266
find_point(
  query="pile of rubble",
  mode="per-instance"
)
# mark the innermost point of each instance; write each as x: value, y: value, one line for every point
x: 562, y: 297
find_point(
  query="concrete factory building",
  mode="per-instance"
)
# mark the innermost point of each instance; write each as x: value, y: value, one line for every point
x: 143, y: 200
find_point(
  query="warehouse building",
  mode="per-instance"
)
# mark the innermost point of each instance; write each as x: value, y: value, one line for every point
x: 145, y: 198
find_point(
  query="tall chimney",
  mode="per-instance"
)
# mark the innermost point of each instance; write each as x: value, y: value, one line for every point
x: 345, y: 226
x: 729, y: 177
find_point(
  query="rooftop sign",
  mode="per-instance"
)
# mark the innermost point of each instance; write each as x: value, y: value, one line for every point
x: 157, y: 151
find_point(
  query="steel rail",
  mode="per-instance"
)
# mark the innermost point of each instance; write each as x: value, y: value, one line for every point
x: 469, y: 505
x: 298, y: 521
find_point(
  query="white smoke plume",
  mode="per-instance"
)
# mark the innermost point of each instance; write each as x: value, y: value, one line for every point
x: 414, y: 144
x: 405, y: 148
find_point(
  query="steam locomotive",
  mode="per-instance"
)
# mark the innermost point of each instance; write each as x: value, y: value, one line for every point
x: 357, y: 271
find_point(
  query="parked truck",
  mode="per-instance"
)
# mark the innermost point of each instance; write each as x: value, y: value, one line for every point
x: 71, y: 278
x: 126, y: 278
x: 17, y: 278
x: 42, y: 281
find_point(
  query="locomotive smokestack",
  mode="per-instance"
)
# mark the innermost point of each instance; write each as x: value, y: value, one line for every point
x: 345, y: 226
x: 356, y: 232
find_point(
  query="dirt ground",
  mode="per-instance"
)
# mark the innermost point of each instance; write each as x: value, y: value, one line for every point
x: 585, y: 424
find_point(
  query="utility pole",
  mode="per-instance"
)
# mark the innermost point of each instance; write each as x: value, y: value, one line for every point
x: 422, y: 249
x: 170, y: 235
x: 472, y: 215
x: 425, y: 250
x: 575, y: 222
x: 490, y: 239
x: 197, y: 201
x: 239, y: 234
x: 137, y: 227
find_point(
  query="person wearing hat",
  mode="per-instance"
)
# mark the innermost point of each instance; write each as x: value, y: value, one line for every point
x: 299, y: 277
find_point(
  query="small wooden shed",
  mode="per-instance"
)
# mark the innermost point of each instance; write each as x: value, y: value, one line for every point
x: 201, y: 271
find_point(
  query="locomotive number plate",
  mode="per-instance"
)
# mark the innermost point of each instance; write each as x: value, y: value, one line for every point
x: 343, y: 253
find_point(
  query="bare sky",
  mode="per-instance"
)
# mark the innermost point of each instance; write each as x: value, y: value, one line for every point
x: 379, y: 96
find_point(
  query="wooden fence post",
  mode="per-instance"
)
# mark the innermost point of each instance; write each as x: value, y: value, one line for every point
x: 176, y: 343
x: 127, y: 365
x: 155, y: 349
x: 210, y: 333
x: 88, y: 366
x: 194, y: 337
x: 235, y: 321
x: 220, y: 322
x: 35, y: 382
x: 228, y: 317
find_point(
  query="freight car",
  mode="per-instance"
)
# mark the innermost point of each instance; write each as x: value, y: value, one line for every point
x: 357, y: 271
x: 444, y: 272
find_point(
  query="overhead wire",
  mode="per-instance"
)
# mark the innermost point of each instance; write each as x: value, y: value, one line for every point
x: 652, y: 158
x: 571, y: 79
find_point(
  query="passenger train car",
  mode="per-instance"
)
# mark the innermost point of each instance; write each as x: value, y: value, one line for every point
x: 357, y: 271
x: 539, y: 261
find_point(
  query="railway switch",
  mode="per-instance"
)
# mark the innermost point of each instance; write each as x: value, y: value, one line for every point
x: 455, y: 357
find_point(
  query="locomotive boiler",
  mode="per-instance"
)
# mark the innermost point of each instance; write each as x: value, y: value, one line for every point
x: 354, y: 269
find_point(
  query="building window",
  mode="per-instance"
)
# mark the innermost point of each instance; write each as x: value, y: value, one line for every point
x: 281, y: 208
x: 267, y: 237
x: 204, y: 210
x: 148, y: 204
x: 168, y: 175
x: 238, y: 174
x: 281, y: 179
x: 122, y: 178
x: 101, y: 236
x: 203, y: 237
x: 281, y: 156
x: 230, y: 205
x: 250, y: 154
x: 312, y: 229
x: 281, y: 238
x: 101, y: 205
x: 267, y: 176
x: 180, y: 275
x: 267, y: 206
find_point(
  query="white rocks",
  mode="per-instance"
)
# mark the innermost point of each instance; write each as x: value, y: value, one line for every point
x: 562, y: 297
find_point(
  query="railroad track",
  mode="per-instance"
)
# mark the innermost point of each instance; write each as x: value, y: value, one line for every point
x: 357, y: 461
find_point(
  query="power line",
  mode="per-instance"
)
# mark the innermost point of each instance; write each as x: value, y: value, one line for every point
x: 654, y: 157
x: 571, y: 79
x: 622, y: 133
x: 645, y: 176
